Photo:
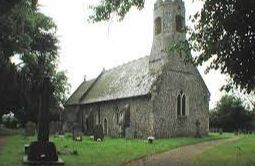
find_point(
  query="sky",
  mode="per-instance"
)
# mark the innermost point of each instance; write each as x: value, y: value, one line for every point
x: 87, y: 48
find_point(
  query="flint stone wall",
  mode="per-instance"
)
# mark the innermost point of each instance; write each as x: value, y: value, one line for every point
x: 141, y: 117
x: 178, y: 77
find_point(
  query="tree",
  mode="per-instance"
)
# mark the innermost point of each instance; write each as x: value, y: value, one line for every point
x: 31, y: 36
x: 231, y: 115
x: 106, y: 8
x: 224, y: 35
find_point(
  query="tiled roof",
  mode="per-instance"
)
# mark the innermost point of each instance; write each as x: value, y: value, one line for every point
x: 75, y: 97
x: 128, y: 80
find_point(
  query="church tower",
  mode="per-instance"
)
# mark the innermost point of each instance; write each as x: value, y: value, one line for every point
x: 169, y: 28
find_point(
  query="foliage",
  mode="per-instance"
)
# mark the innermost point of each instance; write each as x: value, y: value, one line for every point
x: 29, y: 36
x: 107, y: 8
x: 231, y: 115
x: 239, y: 153
x: 109, y: 152
x: 224, y: 35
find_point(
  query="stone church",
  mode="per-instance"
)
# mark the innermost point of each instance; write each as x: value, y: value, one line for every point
x: 158, y: 95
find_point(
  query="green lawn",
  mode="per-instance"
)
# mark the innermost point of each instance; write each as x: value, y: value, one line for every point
x: 239, y: 153
x: 108, y: 153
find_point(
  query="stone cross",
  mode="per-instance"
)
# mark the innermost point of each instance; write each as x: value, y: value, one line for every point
x: 43, y: 126
x: 43, y: 152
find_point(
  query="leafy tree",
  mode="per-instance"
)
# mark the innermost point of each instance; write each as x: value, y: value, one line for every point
x: 224, y: 35
x: 107, y: 8
x: 231, y: 115
x: 30, y: 35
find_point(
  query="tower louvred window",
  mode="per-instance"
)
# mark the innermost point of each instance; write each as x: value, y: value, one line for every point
x: 180, y: 23
x: 157, y: 26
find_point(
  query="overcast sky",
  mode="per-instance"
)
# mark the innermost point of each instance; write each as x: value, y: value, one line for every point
x: 86, y: 48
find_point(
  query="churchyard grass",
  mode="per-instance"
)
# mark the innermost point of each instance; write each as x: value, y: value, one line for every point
x: 238, y: 153
x: 110, y: 152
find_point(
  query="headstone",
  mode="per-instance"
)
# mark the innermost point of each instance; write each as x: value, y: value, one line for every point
x: 220, y: 131
x: 53, y: 127
x: 98, y: 133
x: 77, y: 133
x: 129, y: 133
x: 30, y: 128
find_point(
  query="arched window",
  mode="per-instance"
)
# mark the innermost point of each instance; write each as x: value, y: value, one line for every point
x: 183, y: 105
x: 105, y: 127
x: 117, y: 115
x: 117, y: 118
x: 179, y: 105
x: 180, y: 23
x: 157, y: 24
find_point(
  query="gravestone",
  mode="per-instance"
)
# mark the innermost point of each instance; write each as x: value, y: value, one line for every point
x: 77, y: 133
x: 129, y: 133
x: 98, y: 133
x: 220, y: 131
x: 43, y: 152
x: 53, y: 127
x: 30, y: 128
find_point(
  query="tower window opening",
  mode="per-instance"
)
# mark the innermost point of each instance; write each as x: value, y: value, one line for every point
x: 180, y: 23
x: 157, y: 25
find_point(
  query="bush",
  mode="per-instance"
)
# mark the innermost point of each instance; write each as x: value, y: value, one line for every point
x: 9, y: 120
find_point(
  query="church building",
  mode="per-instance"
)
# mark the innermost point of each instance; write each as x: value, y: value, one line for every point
x: 158, y: 95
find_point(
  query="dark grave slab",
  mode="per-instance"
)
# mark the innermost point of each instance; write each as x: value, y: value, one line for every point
x: 98, y: 133
x: 77, y: 133
x: 129, y: 133
x: 30, y: 128
x: 220, y: 131
x: 53, y: 127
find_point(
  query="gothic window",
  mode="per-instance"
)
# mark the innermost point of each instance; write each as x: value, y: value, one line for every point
x: 105, y: 127
x: 180, y: 23
x: 117, y: 118
x: 127, y: 118
x: 157, y: 25
x: 183, y: 105
x: 179, y: 105
x: 98, y: 116
x: 117, y: 115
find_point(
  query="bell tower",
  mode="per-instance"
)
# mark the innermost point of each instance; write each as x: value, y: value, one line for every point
x: 169, y: 28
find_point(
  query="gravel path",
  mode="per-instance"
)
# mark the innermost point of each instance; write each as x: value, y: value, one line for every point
x: 180, y: 156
